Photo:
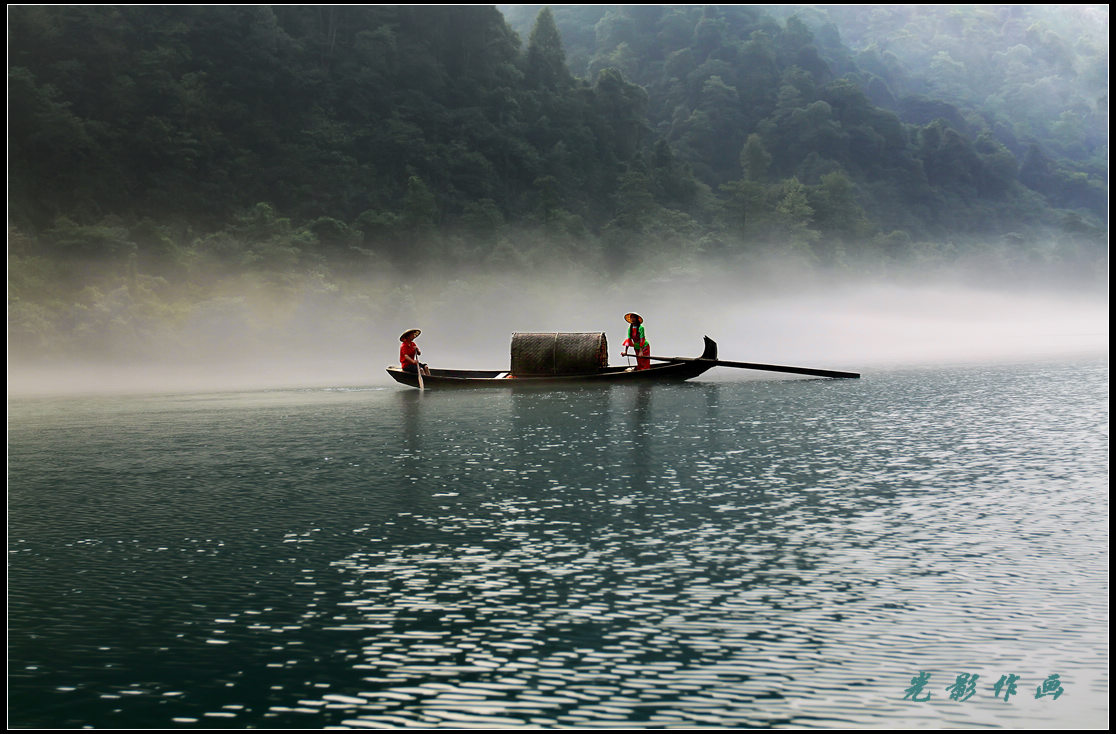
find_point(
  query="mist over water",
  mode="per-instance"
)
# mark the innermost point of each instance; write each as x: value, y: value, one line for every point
x: 745, y: 549
x: 333, y: 337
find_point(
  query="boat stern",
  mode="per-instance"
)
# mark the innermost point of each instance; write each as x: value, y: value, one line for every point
x: 710, y: 349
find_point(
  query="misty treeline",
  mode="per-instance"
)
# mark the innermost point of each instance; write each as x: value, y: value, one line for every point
x: 165, y: 161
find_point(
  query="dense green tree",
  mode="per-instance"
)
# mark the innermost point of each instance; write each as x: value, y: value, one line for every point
x: 754, y: 159
x: 838, y: 214
x: 546, y: 59
x: 162, y: 138
x: 794, y: 218
x: 621, y: 105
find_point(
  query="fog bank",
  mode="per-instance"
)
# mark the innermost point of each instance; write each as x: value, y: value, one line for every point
x: 346, y: 339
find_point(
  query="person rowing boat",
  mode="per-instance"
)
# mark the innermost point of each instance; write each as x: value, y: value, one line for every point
x: 409, y: 353
x: 637, y: 340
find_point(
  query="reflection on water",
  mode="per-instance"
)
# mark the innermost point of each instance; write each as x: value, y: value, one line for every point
x: 768, y: 553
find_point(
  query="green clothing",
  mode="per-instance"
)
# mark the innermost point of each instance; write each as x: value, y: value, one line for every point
x: 637, y: 339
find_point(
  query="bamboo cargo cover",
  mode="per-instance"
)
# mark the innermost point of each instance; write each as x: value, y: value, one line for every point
x: 538, y: 354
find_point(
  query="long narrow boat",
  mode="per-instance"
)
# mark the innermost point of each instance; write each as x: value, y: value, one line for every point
x: 671, y: 371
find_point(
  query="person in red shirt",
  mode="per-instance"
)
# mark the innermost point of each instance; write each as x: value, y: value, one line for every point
x: 409, y: 352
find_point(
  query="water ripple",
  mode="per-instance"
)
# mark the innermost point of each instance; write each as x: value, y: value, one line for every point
x: 767, y: 554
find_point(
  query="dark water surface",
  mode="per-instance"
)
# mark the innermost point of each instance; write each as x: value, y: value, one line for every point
x: 726, y: 554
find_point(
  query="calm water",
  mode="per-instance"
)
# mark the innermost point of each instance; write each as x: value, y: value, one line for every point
x: 754, y: 553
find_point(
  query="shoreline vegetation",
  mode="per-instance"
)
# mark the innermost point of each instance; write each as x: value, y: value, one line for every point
x: 229, y: 175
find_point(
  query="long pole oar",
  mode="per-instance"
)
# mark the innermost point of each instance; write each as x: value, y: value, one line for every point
x: 767, y: 367
x: 418, y: 368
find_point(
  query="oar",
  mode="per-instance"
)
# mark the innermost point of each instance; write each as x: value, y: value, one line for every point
x: 767, y: 367
x: 418, y: 368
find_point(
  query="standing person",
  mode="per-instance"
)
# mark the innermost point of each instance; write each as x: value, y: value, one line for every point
x: 637, y: 340
x: 409, y: 353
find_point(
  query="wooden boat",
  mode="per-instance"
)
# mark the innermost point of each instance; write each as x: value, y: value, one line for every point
x: 673, y: 370
x: 556, y: 359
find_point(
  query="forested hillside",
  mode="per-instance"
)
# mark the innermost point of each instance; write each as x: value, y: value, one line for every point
x: 153, y: 146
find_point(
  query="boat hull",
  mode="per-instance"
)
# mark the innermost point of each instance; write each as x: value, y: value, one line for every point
x: 670, y: 372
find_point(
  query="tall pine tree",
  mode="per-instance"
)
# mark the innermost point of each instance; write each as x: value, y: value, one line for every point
x: 546, y: 59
